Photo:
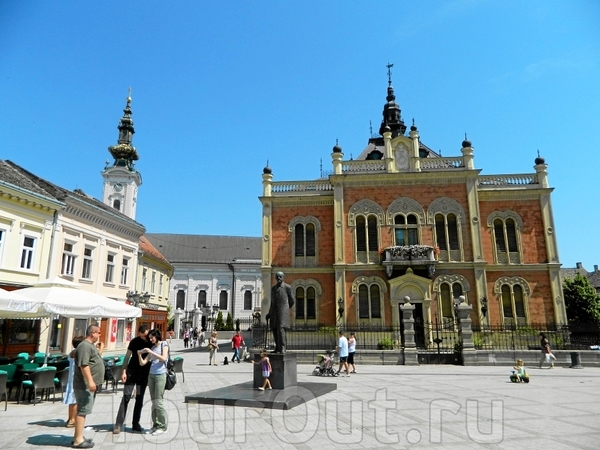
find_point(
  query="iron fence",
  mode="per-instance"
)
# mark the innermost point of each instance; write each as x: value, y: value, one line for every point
x: 323, y: 337
x: 561, y: 337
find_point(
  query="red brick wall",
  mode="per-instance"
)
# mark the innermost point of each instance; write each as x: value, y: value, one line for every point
x: 282, y: 239
x: 424, y: 194
x: 532, y: 235
x: 540, y: 304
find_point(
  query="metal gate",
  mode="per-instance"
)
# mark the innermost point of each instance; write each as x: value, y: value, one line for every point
x: 438, y: 341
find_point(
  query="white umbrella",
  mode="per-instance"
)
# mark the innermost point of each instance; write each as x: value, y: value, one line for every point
x: 67, y: 299
x: 15, y: 306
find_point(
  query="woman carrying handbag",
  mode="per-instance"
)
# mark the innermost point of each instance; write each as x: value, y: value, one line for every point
x: 213, y: 347
x: 158, y: 356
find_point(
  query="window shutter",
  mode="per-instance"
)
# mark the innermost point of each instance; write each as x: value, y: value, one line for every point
x: 373, y: 243
x: 299, y: 240
x: 363, y: 302
x: 440, y: 232
x: 311, y: 310
x: 310, y: 240
x: 300, y: 303
x: 361, y: 234
x: 375, y: 302
x: 499, y: 234
x: 453, y: 232
x: 511, y: 234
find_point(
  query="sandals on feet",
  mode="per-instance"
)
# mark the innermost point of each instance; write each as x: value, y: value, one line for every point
x: 83, y: 444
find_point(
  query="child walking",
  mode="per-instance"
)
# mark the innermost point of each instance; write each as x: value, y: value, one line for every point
x: 265, y: 367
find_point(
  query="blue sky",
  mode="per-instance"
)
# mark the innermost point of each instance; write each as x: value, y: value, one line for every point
x: 221, y: 87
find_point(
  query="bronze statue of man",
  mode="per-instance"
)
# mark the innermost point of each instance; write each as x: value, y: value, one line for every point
x: 282, y: 299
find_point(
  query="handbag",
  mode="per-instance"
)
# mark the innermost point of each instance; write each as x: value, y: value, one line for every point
x: 171, y: 380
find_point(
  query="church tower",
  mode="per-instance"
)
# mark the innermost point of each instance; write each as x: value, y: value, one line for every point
x: 121, y: 180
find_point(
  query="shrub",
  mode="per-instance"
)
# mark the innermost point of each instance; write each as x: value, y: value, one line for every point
x: 385, y: 344
x: 229, y: 323
x: 219, y: 325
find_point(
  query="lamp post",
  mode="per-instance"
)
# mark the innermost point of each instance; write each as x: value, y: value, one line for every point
x: 341, y: 310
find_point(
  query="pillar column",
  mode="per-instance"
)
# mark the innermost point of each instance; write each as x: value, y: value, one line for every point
x: 410, y: 347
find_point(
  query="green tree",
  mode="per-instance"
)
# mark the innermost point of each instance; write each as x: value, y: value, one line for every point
x: 219, y: 325
x: 229, y: 322
x: 581, y: 301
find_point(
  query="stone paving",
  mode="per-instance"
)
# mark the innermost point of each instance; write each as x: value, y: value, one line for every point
x: 449, y: 407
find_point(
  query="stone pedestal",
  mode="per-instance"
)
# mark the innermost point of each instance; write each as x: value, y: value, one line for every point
x: 284, y: 372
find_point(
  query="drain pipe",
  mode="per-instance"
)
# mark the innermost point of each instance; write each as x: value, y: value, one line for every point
x: 230, y: 265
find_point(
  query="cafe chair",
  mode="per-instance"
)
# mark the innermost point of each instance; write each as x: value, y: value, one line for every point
x: 24, y: 355
x: 178, y: 366
x: 3, y: 391
x: 11, y: 380
x: 42, y: 378
x: 61, y: 380
x: 113, y: 375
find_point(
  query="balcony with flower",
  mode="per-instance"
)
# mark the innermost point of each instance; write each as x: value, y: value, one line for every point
x: 418, y: 257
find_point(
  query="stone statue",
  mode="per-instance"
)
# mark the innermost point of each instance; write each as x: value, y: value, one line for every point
x: 282, y: 299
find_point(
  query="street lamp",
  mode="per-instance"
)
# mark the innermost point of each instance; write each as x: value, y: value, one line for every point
x: 341, y: 306
x: 135, y: 297
x: 484, y: 306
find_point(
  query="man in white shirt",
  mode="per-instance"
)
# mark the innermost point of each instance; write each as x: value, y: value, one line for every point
x: 342, y: 350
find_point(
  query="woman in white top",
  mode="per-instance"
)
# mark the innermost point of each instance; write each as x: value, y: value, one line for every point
x: 69, y: 397
x: 157, y: 356
x: 213, y: 346
x: 351, y: 351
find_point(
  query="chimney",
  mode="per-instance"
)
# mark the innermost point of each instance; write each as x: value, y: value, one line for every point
x: 595, y: 267
x: 579, y: 266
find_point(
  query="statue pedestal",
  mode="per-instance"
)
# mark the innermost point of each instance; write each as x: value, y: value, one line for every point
x: 284, y: 373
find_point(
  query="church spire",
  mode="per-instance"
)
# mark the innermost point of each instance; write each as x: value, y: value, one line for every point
x: 391, y: 110
x: 124, y: 153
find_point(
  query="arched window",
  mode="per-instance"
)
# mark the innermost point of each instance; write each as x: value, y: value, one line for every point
x: 180, y: 302
x: 306, y: 303
x: 506, y: 228
x: 369, y: 301
x: 447, y: 216
x: 117, y: 204
x: 307, y: 292
x: 305, y: 230
x: 449, y: 297
x: 248, y: 300
x: 449, y: 288
x: 367, y: 241
x: 202, y: 298
x: 406, y: 229
x: 365, y: 217
x: 514, y: 294
x: 223, y: 300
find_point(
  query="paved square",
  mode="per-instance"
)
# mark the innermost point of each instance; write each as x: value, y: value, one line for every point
x: 450, y: 407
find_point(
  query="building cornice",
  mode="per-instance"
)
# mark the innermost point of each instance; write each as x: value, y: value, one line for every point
x: 300, y: 201
x: 102, y: 218
x: 31, y: 199
x: 511, y: 195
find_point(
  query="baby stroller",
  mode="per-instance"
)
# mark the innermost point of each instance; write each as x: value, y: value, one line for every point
x: 326, y: 366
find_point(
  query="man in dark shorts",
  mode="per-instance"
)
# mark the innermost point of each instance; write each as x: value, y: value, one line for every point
x: 342, y: 350
x: 87, y: 381
x: 135, y: 377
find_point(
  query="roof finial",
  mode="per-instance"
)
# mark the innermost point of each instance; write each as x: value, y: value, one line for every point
x: 538, y: 152
x: 129, y: 95
x: 389, y: 68
x: 371, y: 128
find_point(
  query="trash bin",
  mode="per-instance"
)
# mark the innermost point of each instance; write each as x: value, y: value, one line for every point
x: 576, y: 360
